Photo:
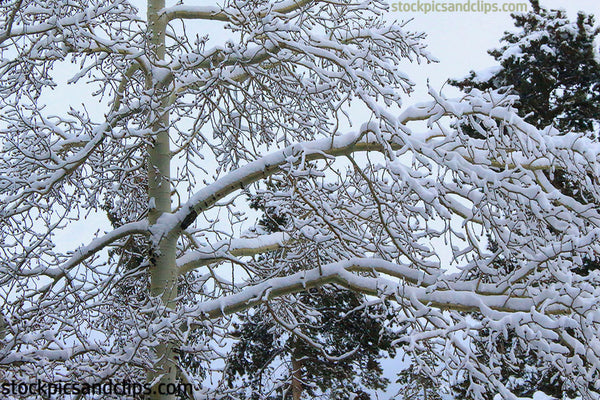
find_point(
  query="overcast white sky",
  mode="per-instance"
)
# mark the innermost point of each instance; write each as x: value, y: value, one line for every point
x: 461, y: 40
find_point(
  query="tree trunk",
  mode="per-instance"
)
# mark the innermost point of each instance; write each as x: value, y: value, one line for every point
x: 163, y: 271
x: 296, y: 378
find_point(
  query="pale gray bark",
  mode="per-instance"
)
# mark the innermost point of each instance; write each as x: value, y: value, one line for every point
x: 163, y: 268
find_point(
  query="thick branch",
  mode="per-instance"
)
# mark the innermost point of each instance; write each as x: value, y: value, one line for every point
x: 96, y: 245
x: 364, y: 140
x: 341, y: 273
x: 227, y: 249
x: 227, y: 15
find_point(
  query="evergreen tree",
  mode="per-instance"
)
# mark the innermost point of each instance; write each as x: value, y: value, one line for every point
x: 416, y: 382
x: 550, y: 63
x: 337, y: 356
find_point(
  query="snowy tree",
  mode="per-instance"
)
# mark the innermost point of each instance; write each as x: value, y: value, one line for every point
x: 340, y: 360
x: 402, y: 205
x: 551, y: 64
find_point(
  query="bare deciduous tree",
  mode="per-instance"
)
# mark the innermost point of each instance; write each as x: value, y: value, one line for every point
x: 404, y: 204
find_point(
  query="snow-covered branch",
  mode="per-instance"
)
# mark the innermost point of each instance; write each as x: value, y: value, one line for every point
x: 228, y: 14
x: 369, y: 138
x: 229, y: 249
x: 342, y: 273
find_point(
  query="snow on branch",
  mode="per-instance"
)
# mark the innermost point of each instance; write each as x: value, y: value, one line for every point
x: 371, y: 138
x: 227, y: 14
x: 229, y: 249
x: 340, y: 273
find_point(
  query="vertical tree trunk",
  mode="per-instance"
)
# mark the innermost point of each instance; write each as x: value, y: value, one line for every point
x: 296, y: 377
x: 163, y: 272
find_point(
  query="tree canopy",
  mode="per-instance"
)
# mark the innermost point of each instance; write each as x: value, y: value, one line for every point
x: 550, y: 62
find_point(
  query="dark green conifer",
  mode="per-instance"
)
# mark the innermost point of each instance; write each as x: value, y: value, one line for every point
x: 270, y: 362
